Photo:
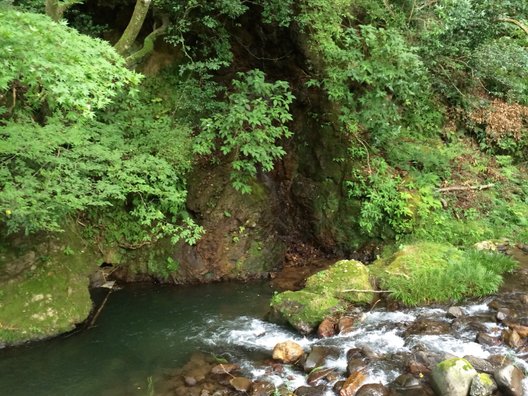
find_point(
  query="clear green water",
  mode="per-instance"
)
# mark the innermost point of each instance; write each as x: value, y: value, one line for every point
x: 142, y: 332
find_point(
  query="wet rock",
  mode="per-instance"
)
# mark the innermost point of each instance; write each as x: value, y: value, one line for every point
x: 345, y: 325
x: 453, y: 377
x: 486, y: 339
x: 481, y: 364
x: 524, y: 299
x: 190, y: 381
x: 509, y: 378
x: 417, y: 368
x: 319, y: 375
x: 310, y: 390
x: 455, y: 312
x: 241, y: 384
x: 288, y: 352
x: 327, y: 328
x: 373, y: 390
x: 261, y: 388
x: 303, y: 309
x: 352, y: 384
x: 405, y: 382
x: 512, y: 338
x: 318, y: 355
x: 354, y: 365
x: 425, y: 326
x: 503, y: 314
x: 520, y: 329
x: 225, y: 368
x: 482, y: 385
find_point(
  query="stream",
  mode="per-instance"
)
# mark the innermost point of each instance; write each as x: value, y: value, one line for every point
x: 145, y: 334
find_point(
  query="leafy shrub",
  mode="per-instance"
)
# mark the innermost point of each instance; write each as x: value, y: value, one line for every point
x: 65, y: 71
x: 249, y: 127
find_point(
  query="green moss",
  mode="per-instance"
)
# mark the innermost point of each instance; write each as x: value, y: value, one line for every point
x: 49, y: 297
x: 304, y: 309
x: 448, y: 363
x: 486, y: 379
x: 430, y: 272
x: 340, y: 277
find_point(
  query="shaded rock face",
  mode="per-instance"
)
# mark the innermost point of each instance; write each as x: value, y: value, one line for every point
x: 241, y: 240
x: 453, y: 377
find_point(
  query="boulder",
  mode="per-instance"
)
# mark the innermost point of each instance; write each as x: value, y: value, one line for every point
x: 241, y: 384
x: 318, y: 355
x: 482, y: 385
x: 326, y: 293
x: 303, y: 309
x: 345, y: 325
x: 327, y: 328
x: 480, y: 364
x: 454, y: 312
x: 347, y: 280
x: 509, y: 378
x: 453, y: 377
x: 318, y: 375
x: 373, y: 390
x: 288, y: 352
x: 262, y: 388
x: 425, y: 326
x: 310, y: 390
x: 352, y: 384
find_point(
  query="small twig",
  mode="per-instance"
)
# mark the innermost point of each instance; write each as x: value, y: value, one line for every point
x: 465, y: 188
x: 92, y: 322
x: 364, y: 291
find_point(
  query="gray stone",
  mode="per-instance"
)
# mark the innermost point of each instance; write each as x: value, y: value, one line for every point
x: 509, y: 378
x: 454, y: 312
x: 482, y: 385
x: 453, y: 377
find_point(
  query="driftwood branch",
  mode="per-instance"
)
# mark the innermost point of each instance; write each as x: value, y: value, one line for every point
x: 465, y: 188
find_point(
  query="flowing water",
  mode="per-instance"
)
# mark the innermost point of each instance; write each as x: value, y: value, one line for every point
x: 141, y: 332
x: 145, y: 333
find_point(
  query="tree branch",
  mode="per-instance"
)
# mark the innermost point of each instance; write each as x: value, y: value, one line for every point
x: 517, y: 23
x: 148, y: 43
x: 55, y: 9
x: 465, y: 188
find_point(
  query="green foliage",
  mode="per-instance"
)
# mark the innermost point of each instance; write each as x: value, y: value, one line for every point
x: 249, y: 126
x: 205, y: 22
x: 427, y: 273
x: 64, y: 72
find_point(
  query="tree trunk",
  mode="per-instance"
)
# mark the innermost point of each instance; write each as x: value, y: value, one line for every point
x: 134, y: 26
x: 55, y: 8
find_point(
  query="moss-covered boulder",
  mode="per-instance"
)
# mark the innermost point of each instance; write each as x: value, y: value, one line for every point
x: 43, y: 286
x: 453, y: 377
x: 430, y: 272
x: 347, y: 280
x: 304, y: 310
x: 326, y: 293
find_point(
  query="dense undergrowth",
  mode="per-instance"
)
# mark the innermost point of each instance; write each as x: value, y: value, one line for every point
x: 432, y: 98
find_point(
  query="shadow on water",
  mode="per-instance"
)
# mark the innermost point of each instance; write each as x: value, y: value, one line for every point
x: 141, y: 332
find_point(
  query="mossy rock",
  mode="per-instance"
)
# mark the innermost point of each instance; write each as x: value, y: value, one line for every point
x: 304, y: 310
x: 326, y: 293
x: 429, y: 272
x: 340, y: 278
x: 51, y: 295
